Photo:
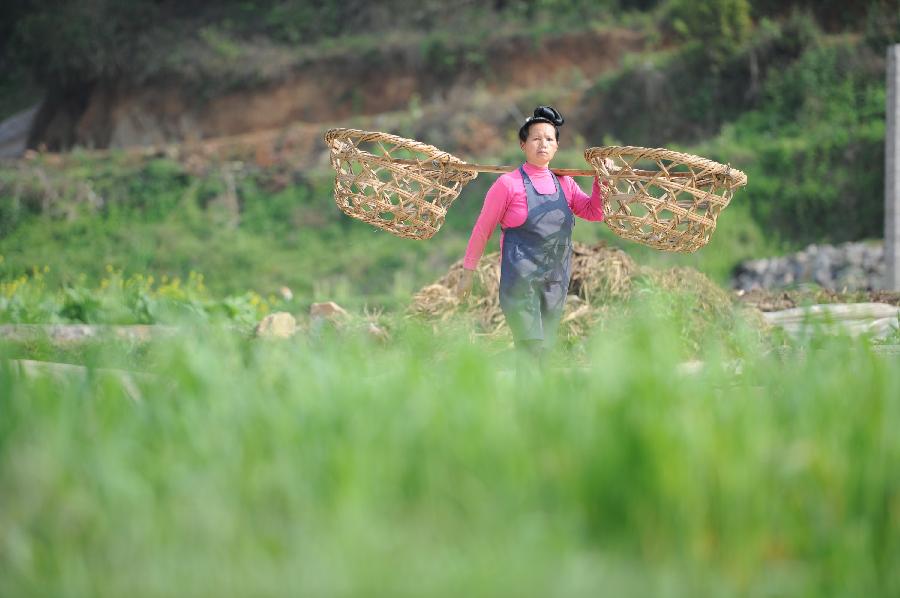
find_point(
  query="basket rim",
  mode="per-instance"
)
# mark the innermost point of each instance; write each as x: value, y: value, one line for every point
x: 437, y: 155
x: 737, y: 177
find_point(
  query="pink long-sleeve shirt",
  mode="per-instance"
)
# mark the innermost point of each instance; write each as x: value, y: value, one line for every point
x: 506, y: 204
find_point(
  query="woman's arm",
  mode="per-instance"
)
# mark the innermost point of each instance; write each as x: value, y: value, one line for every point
x: 589, y: 207
x: 495, y: 204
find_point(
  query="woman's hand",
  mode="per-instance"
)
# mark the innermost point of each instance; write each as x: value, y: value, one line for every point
x: 611, y: 167
x: 610, y: 164
x: 464, y: 284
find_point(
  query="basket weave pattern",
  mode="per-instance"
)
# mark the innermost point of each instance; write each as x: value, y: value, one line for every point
x: 409, y: 200
x: 661, y: 198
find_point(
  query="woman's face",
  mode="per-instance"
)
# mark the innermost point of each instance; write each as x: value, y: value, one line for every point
x: 541, y: 144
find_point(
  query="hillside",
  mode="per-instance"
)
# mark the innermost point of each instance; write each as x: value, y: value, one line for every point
x: 390, y: 77
x: 237, y: 184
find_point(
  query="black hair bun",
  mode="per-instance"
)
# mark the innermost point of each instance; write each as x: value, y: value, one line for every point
x: 542, y: 114
x: 549, y: 114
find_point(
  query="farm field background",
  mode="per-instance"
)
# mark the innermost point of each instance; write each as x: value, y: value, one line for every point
x: 675, y: 445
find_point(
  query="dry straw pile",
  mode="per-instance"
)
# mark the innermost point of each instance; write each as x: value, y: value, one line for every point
x: 600, y: 276
x: 604, y: 282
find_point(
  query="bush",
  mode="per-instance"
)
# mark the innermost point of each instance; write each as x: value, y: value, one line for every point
x: 682, y: 97
x: 882, y: 24
x: 818, y: 169
x: 719, y: 27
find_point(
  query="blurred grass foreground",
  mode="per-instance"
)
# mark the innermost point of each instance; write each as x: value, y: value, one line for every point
x: 341, y: 465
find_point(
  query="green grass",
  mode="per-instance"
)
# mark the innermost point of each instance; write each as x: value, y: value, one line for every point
x: 335, y: 465
x: 156, y: 220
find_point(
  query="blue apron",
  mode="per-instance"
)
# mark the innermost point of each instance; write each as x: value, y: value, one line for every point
x: 535, y: 265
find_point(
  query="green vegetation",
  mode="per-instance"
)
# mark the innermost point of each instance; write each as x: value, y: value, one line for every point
x: 801, y: 112
x: 676, y: 449
x: 155, y: 219
x: 716, y: 26
x: 814, y: 151
x: 65, y: 47
x: 117, y: 300
x: 427, y: 467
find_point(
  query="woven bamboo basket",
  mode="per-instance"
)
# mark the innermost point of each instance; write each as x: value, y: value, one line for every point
x: 665, y: 199
x: 661, y: 198
x: 397, y: 184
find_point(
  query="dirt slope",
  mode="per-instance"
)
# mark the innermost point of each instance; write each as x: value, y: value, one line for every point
x: 332, y: 89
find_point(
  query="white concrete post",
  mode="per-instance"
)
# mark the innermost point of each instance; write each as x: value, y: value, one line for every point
x: 892, y: 172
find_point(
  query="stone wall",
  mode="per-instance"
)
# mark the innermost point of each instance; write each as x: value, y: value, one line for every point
x: 850, y: 266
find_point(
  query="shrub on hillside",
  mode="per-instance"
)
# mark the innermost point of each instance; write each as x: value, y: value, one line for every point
x: 818, y: 147
x: 680, y: 97
x: 718, y: 26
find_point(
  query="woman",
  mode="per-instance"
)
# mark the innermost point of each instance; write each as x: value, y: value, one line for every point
x: 536, y: 212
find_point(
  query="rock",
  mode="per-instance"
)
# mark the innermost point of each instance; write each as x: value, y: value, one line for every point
x: 327, y: 311
x: 855, y: 254
x: 325, y: 316
x: 850, y: 266
x: 822, y: 270
x: 874, y: 257
x: 278, y: 325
